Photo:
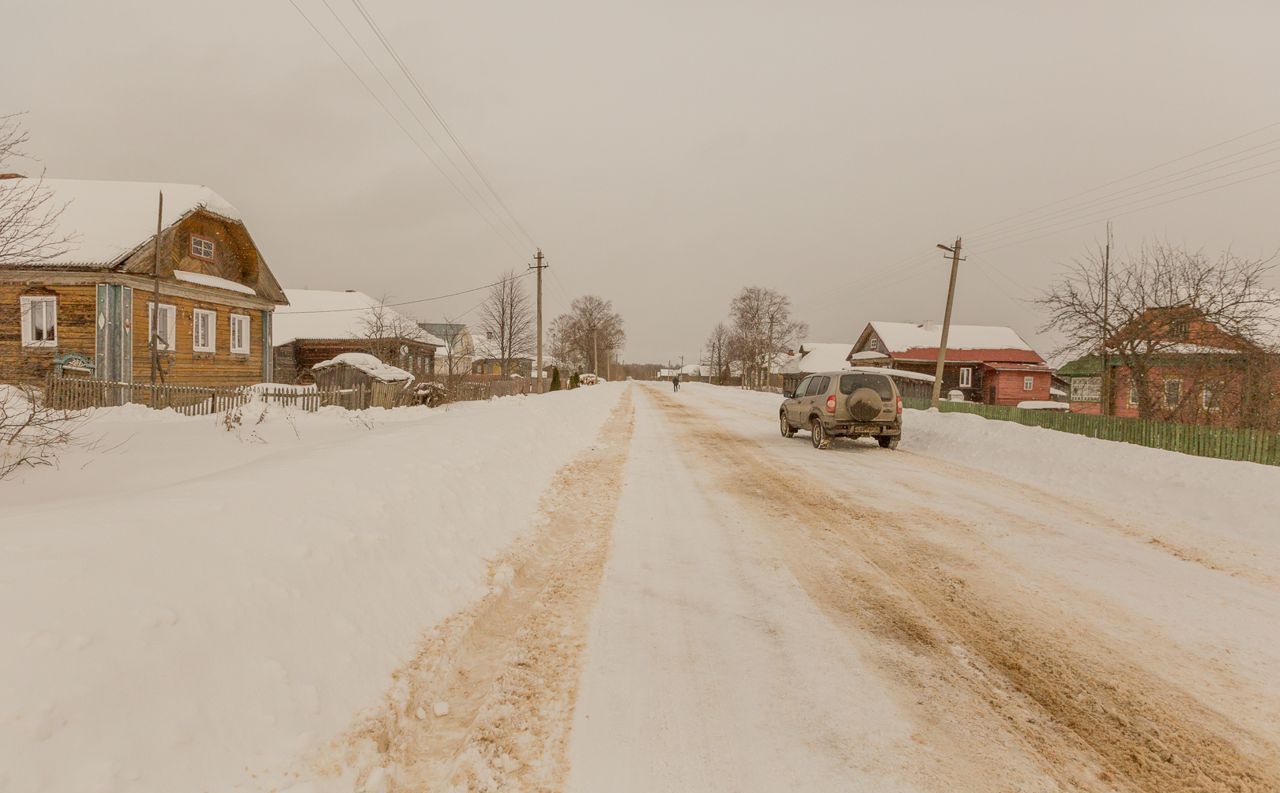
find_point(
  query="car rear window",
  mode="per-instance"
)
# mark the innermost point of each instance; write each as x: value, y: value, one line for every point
x: 852, y: 382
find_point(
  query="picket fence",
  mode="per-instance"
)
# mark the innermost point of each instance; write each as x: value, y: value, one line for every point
x: 72, y: 393
x: 1223, y: 443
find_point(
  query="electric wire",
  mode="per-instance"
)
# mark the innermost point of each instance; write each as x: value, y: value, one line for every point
x: 403, y: 302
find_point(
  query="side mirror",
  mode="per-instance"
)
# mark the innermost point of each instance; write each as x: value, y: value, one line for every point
x: 787, y: 393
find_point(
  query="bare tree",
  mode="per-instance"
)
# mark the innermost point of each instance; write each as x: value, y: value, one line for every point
x: 589, y: 334
x: 716, y: 352
x: 457, y: 352
x: 506, y: 318
x: 28, y: 215
x: 1215, y: 318
x: 31, y: 433
x: 762, y: 330
x: 385, y: 332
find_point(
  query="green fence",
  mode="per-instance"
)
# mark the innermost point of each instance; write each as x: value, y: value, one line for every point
x: 1224, y: 443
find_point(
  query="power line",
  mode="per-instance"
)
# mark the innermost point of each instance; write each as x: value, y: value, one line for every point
x: 406, y: 302
x: 421, y: 124
x: 413, y: 81
x: 1131, y: 176
x: 1094, y: 207
x: 402, y: 127
x: 1136, y: 209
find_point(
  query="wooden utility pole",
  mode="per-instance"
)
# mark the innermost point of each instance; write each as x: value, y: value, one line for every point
x: 1104, y: 385
x: 153, y: 328
x: 946, y: 320
x: 595, y: 354
x: 539, y: 266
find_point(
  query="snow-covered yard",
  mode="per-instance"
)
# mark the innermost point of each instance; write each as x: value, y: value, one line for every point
x: 183, y: 607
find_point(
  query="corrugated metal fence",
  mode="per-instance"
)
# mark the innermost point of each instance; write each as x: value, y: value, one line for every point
x: 1223, y: 443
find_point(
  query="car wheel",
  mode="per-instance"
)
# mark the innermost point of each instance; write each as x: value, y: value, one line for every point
x: 888, y: 441
x: 785, y: 426
x: 820, y: 440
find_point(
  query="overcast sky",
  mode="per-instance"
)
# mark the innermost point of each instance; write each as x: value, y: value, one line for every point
x: 665, y: 154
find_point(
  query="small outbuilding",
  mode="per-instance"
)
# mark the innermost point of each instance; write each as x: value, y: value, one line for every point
x: 358, y: 373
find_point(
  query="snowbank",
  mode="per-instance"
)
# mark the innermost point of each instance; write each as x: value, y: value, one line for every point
x: 183, y: 607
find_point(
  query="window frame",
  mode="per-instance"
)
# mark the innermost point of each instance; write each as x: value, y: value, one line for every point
x: 1029, y: 382
x: 1133, y: 395
x: 171, y: 326
x: 801, y: 387
x: 26, y: 304
x: 819, y: 385
x: 966, y: 377
x: 236, y: 319
x: 196, y: 314
x: 208, y: 257
x: 1208, y: 398
x: 1164, y: 387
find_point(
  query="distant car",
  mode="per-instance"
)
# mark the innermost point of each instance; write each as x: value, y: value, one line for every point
x: 844, y: 405
x: 588, y: 379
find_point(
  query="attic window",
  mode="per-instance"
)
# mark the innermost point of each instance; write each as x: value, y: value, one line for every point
x: 201, y: 248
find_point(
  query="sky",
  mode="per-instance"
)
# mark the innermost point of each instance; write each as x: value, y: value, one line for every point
x: 666, y: 154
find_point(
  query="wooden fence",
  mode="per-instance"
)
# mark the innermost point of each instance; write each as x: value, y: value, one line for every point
x: 1223, y: 443
x: 71, y: 393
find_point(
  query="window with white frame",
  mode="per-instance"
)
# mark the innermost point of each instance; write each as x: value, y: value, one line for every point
x: 1028, y: 383
x: 201, y: 248
x: 1133, y: 395
x: 966, y: 376
x: 204, y: 330
x: 1208, y: 400
x: 240, y: 334
x: 39, y: 321
x: 163, y: 332
x: 1172, y: 393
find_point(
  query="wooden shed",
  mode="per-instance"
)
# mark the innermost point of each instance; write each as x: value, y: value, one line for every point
x: 357, y: 372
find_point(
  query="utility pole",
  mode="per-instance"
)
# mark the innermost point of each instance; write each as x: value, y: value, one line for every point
x: 154, y: 325
x: 1105, y: 383
x: 946, y: 320
x: 539, y: 266
x: 595, y: 354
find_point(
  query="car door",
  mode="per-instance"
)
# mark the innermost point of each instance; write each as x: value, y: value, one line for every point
x: 793, y: 405
x: 812, y: 396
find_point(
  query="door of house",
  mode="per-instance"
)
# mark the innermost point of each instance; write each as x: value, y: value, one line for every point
x: 114, y: 338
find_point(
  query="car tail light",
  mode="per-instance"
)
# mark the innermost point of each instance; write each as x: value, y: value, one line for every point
x: 831, y: 404
x: 899, y: 404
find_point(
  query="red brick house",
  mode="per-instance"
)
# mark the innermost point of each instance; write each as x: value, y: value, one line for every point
x: 1185, y: 368
x: 989, y: 364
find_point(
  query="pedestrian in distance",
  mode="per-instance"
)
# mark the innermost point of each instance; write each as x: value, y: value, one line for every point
x: 675, y: 382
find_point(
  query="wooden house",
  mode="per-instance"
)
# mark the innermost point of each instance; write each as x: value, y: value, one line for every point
x: 488, y: 359
x: 320, y: 325
x: 91, y: 299
x: 989, y: 364
x: 1191, y: 370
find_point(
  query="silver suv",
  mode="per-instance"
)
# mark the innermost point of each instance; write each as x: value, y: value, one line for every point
x: 844, y: 404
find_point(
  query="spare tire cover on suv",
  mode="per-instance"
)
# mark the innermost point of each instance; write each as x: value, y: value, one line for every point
x: 865, y: 404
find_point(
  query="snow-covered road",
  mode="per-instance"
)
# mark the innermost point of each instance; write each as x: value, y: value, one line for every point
x: 777, y: 618
x: 623, y: 589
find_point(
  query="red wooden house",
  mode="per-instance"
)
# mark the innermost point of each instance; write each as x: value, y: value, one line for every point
x: 1185, y: 368
x: 989, y: 364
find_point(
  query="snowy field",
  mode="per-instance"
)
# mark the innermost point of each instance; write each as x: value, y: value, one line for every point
x: 686, y: 601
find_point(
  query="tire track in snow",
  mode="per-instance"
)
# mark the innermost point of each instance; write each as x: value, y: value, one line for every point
x: 1097, y: 720
x: 508, y: 667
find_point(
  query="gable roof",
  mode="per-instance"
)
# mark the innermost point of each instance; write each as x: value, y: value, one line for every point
x: 323, y: 314
x: 819, y: 356
x: 919, y: 342
x: 107, y: 221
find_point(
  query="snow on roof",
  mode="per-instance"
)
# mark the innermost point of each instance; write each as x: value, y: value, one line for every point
x: 368, y: 364
x: 697, y: 370
x: 212, y: 280
x: 867, y: 355
x: 108, y: 220
x: 903, y: 336
x: 321, y: 314
x: 816, y: 356
x: 902, y: 373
